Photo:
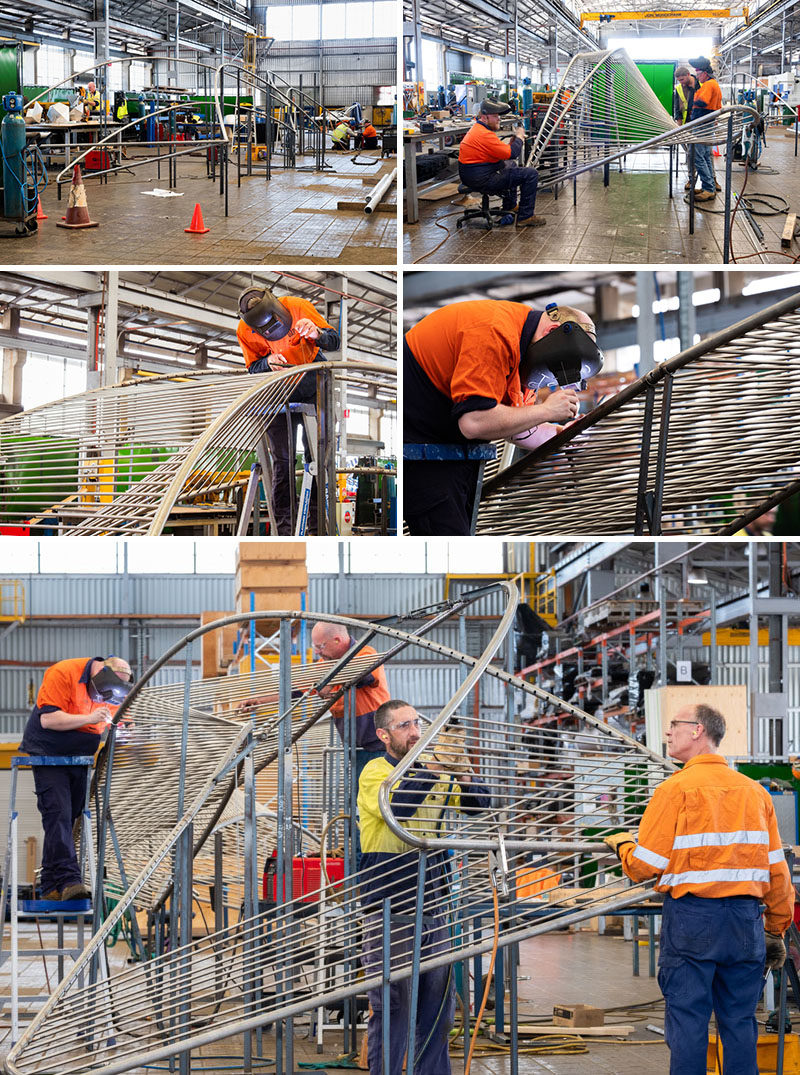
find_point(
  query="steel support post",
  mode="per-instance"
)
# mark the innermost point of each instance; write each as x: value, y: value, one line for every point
x: 386, y: 966
x: 182, y: 896
x: 661, y: 458
x: 726, y: 238
x: 415, y: 962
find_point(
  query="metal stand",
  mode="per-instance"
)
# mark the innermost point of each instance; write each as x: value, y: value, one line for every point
x: 54, y: 912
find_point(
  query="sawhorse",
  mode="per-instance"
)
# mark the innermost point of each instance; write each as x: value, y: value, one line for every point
x: 261, y: 471
x: 53, y: 911
x: 452, y: 453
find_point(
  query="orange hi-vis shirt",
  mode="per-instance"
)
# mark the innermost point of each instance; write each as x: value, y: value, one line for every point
x: 370, y: 132
x: 707, y: 98
x: 369, y: 696
x: 472, y: 349
x: 61, y: 688
x: 482, y: 146
x: 711, y: 831
x: 296, y: 353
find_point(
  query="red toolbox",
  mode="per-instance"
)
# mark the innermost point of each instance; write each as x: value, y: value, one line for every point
x: 306, y: 877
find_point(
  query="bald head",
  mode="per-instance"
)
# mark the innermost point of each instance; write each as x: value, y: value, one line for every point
x: 560, y: 315
x: 330, y: 640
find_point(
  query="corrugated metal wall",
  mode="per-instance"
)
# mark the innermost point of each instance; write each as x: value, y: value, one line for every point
x: 351, y: 69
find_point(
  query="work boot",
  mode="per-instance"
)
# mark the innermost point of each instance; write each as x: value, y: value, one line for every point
x: 705, y: 195
x: 716, y: 184
x: 52, y: 896
x: 77, y: 890
x: 532, y: 222
x: 688, y: 185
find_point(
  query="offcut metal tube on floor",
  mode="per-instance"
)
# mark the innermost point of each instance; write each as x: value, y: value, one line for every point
x: 379, y: 191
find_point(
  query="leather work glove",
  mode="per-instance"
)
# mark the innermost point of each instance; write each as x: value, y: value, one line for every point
x: 449, y: 752
x: 776, y: 951
x: 618, y: 840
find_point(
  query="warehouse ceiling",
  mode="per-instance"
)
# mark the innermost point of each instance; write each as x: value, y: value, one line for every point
x: 173, y: 321
x: 133, y: 27
x: 487, y: 26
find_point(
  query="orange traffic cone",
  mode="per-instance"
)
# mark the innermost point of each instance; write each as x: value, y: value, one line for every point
x: 77, y: 210
x: 39, y: 214
x: 197, y: 227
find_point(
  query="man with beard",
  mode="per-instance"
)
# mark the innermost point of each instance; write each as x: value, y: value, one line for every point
x: 388, y: 870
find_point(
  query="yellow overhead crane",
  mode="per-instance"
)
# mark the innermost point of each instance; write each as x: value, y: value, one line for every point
x: 683, y: 13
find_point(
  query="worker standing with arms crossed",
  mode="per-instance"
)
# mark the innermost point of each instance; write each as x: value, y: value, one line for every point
x: 710, y: 838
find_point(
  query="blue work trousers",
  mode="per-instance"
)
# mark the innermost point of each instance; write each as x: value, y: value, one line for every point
x: 61, y: 797
x: 506, y: 183
x: 704, y: 167
x: 712, y: 955
x: 435, y: 1005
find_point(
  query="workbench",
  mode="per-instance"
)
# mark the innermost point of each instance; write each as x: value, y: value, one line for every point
x: 70, y: 132
x: 412, y: 144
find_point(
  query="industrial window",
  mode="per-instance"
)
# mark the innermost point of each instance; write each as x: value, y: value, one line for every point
x: 385, y: 19
x: 431, y: 73
x: 305, y: 23
x: 80, y: 61
x: 334, y: 18
x: 50, y: 65
x: 140, y: 76
x: 481, y: 65
x: 359, y: 20
x: 50, y: 377
x: 279, y: 22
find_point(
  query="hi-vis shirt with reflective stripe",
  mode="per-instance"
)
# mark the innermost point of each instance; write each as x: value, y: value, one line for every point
x: 711, y: 831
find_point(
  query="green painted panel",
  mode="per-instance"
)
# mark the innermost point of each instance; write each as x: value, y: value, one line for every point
x: 660, y: 77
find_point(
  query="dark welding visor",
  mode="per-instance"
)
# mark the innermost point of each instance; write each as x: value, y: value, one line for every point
x: 567, y: 355
x: 108, y: 687
x: 264, y: 314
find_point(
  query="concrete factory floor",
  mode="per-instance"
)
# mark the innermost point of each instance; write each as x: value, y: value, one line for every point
x: 632, y: 221
x: 557, y: 968
x: 292, y: 219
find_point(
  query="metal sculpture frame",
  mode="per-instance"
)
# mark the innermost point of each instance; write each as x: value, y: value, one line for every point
x: 682, y: 449
x: 215, y: 423
x: 604, y: 109
x: 270, y: 964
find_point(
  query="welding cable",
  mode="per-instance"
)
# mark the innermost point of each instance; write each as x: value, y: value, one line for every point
x: 487, y: 987
x: 447, y: 236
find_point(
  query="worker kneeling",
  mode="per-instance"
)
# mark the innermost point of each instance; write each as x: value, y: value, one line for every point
x: 481, y: 165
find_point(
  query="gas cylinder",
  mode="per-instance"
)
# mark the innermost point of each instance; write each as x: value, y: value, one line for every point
x: 12, y: 136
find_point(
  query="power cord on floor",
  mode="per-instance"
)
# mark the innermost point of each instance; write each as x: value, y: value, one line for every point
x: 447, y: 236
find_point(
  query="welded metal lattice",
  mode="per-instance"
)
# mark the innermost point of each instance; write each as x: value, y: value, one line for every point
x: 604, y: 108
x: 118, y: 460
x: 557, y: 785
x: 722, y: 439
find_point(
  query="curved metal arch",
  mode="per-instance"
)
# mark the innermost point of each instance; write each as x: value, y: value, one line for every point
x: 673, y: 134
x: 174, y: 489
x: 242, y: 1018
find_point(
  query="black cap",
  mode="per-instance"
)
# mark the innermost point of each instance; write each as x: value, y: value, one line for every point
x: 493, y: 108
x: 702, y: 64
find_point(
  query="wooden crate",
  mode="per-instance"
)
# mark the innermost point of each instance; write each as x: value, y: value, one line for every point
x: 209, y: 644
x: 284, y: 551
x: 663, y: 703
x: 271, y: 575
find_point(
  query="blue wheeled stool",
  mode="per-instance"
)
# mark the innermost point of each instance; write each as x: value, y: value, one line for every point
x: 450, y: 453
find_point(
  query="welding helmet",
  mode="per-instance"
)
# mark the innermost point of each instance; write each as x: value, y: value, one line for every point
x: 567, y: 355
x: 264, y: 314
x: 108, y: 685
x: 488, y: 107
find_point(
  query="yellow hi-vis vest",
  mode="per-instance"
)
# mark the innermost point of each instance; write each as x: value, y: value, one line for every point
x: 684, y: 102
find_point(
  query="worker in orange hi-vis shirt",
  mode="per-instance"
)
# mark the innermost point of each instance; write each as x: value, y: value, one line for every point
x: 273, y: 333
x: 710, y: 839
x: 471, y: 370
x: 76, y: 702
x: 485, y: 164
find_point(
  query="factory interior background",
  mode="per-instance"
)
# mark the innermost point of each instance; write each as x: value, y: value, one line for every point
x: 399, y: 563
